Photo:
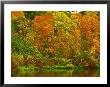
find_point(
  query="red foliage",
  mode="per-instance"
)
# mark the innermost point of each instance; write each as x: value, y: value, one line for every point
x: 52, y: 62
x: 39, y: 63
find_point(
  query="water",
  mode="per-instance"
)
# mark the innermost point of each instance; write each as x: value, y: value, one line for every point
x: 68, y: 73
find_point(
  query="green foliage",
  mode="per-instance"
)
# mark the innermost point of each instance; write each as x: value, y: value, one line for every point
x: 84, y: 54
x: 54, y: 41
x: 14, y: 27
x: 63, y: 61
x: 17, y: 44
x: 59, y: 53
x: 32, y: 14
x: 83, y: 12
x: 29, y: 68
x: 68, y: 13
x: 62, y: 21
x: 80, y: 68
x: 59, y: 67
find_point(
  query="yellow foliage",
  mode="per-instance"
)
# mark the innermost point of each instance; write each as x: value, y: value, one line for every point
x: 16, y: 14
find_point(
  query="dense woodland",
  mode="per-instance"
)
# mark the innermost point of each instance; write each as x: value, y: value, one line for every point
x: 54, y: 40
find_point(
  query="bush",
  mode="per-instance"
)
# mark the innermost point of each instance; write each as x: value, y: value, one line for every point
x: 27, y: 69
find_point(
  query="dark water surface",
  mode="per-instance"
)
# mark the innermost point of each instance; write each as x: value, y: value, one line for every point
x: 68, y: 73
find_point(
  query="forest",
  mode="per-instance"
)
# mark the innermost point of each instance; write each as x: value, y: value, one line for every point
x: 54, y: 41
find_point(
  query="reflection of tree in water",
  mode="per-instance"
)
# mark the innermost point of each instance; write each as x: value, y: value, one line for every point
x: 59, y: 40
x: 69, y: 73
x: 88, y: 73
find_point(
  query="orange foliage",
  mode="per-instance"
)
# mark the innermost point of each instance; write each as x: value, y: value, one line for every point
x: 16, y: 14
x: 38, y: 43
x: 52, y: 50
x: 66, y: 50
x: 52, y: 62
x: 39, y: 63
x: 77, y: 40
x: 76, y: 16
x: 90, y: 24
x: 44, y: 24
x: 48, y: 30
x: 96, y: 43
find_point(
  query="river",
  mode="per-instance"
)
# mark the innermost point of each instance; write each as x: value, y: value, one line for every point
x: 68, y: 73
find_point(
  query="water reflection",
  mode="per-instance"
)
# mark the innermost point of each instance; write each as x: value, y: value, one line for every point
x: 85, y: 73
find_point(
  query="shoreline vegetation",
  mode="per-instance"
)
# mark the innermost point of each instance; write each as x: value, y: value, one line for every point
x: 55, y: 41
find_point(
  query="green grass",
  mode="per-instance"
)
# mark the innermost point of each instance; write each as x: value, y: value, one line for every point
x: 30, y: 68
